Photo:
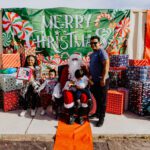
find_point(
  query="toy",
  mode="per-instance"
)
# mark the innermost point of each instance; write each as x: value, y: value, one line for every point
x: 24, y: 73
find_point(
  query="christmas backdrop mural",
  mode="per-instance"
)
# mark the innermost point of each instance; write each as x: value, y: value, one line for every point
x: 57, y: 33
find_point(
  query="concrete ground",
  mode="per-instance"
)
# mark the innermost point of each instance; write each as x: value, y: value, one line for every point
x: 121, y: 132
x: 126, y: 124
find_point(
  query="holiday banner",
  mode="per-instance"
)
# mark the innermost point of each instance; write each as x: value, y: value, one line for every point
x: 58, y: 32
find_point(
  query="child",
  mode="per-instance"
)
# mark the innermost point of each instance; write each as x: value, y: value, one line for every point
x: 48, y: 85
x: 28, y: 93
x: 81, y: 83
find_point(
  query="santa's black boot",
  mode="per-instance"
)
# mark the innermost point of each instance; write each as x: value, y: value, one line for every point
x: 82, y: 115
x: 71, y: 118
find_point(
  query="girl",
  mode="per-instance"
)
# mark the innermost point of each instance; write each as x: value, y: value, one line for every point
x: 28, y: 93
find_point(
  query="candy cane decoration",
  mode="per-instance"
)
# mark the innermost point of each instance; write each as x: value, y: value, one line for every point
x: 122, y: 27
x: 7, y: 38
x: 103, y: 15
x: 56, y: 60
x: 25, y: 30
x: 64, y: 54
x: 31, y: 44
x: 12, y: 23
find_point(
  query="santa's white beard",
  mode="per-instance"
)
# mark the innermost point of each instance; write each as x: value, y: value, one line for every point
x: 73, y: 66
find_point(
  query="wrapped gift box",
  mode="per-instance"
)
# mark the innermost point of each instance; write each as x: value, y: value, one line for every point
x: 10, y: 100
x: 145, y: 97
x: 135, y: 62
x: 115, y: 102
x: 118, y: 68
x: 9, y: 60
x: 139, y: 97
x: 126, y: 97
x: 9, y: 82
x: 135, y: 96
x: 119, y: 60
x: 139, y: 73
x: 117, y: 76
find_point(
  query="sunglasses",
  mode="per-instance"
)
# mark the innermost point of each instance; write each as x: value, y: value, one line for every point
x: 74, y: 59
x: 93, y: 43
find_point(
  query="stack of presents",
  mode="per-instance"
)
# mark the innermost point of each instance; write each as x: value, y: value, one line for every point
x: 129, y: 85
x: 9, y: 85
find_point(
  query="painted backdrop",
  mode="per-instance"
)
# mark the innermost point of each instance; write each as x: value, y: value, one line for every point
x: 59, y: 32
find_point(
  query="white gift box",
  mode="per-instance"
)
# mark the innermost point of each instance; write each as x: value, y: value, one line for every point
x: 9, y: 82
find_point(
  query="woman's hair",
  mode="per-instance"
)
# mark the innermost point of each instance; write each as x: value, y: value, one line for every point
x: 26, y: 61
x: 52, y: 70
x: 79, y: 73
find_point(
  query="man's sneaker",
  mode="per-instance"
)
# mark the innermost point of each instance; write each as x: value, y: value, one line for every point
x: 43, y: 112
x: 23, y: 113
x: 71, y: 120
x: 100, y: 122
x: 32, y: 112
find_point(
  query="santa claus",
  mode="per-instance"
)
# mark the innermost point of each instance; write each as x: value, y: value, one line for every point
x: 66, y: 78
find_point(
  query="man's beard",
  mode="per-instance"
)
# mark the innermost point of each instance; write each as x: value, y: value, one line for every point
x: 73, y: 66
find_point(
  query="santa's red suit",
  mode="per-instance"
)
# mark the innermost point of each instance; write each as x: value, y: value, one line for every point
x: 66, y: 74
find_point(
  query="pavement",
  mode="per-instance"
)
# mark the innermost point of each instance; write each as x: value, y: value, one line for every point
x: 120, y: 125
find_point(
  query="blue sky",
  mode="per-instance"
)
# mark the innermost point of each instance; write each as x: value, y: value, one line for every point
x: 102, y: 4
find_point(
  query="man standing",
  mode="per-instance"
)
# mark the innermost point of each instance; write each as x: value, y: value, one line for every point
x: 99, y: 67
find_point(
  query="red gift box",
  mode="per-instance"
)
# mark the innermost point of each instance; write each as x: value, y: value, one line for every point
x: 117, y: 68
x: 10, y: 100
x: 114, y: 102
x: 136, y: 62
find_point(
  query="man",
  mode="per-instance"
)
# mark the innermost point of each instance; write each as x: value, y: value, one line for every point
x: 99, y: 67
x: 67, y: 74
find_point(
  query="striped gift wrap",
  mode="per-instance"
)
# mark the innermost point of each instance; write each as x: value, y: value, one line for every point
x: 9, y: 60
